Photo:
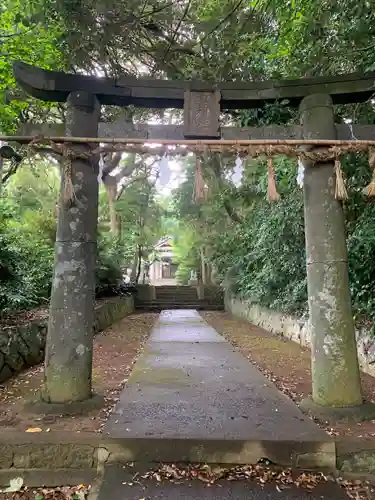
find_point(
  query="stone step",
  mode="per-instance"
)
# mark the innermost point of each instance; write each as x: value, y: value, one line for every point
x: 180, y: 299
x: 157, y: 306
x: 173, y: 298
x: 177, y: 300
x: 176, y: 296
x: 175, y: 287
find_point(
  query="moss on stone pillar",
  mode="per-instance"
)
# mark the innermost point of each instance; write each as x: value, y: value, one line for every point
x: 335, y: 370
x: 68, y: 359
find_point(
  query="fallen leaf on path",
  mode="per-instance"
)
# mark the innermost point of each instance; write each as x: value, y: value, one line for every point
x: 14, y: 485
x: 282, y: 478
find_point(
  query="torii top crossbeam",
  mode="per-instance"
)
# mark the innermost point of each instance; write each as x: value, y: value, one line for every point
x: 156, y: 93
x: 201, y: 101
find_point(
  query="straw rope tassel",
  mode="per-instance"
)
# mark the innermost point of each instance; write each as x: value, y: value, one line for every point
x: 199, y: 191
x: 340, y: 189
x: 67, y: 172
x: 370, y: 189
x: 272, y: 194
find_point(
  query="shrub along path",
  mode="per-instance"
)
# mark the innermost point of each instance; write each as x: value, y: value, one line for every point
x: 286, y: 364
x: 115, y: 352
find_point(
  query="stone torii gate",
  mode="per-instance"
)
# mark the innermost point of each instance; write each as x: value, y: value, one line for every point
x: 336, y: 379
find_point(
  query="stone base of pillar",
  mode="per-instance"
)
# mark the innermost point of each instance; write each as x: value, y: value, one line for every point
x: 84, y: 407
x: 360, y: 413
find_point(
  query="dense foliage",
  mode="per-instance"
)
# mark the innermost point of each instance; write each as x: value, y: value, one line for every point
x: 26, y: 34
x: 27, y: 236
x: 266, y: 250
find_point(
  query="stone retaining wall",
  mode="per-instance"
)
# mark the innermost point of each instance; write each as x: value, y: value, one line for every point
x: 296, y: 329
x: 211, y: 294
x: 355, y: 456
x: 23, y: 346
x: 145, y: 293
x: 35, y: 458
x: 60, y: 450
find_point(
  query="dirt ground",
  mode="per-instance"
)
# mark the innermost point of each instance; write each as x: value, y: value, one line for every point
x: 115, y: 352
x: 286, y: 364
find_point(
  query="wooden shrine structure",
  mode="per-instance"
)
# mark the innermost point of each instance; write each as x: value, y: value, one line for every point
x: 336, y: 380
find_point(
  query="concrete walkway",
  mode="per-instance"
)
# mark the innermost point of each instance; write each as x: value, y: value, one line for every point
x: 190, y: 383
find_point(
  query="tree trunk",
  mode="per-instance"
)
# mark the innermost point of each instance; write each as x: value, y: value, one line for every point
x: 1, y: 170
x: 213, y: 278
x: 110, y: 184
x: 68, y: 358
x: 139, y: 263
x: 134, y: 266
x: 216, y: 167
x: 203, y: 267
x: 208, y: 273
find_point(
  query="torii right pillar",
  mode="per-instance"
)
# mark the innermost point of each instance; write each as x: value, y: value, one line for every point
x: 336, y: 384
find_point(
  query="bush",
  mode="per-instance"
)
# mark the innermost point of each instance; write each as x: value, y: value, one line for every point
x: 26, y: 258
x: 267, y: 253
x: 361, y: 252
x: 112, y: 254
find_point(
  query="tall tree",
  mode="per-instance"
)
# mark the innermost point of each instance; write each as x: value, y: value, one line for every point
x: 26, y: 34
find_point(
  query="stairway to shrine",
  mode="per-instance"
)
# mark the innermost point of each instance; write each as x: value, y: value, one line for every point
x: 170, y: 297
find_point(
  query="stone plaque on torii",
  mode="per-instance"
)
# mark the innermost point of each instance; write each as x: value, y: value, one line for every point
x: 336, y: 381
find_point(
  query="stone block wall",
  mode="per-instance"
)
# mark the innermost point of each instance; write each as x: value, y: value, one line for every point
x: 23, y: 346
x: 296, y: 329
x: 145, y: 293
x: 211, y: 294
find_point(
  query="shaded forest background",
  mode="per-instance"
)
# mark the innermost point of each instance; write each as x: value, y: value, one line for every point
x: 236, y: 227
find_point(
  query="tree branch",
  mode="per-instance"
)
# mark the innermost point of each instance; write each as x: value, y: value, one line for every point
x: 11, y: 171
x: 223, y: 21
x: 216, y: 167
x: 110, y: 163
x: 126, y: 172
x: 175, y: 33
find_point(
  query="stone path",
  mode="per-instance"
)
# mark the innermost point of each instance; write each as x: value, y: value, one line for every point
x: 190, y: 383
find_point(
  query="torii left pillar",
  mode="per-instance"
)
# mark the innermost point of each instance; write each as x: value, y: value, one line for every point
x: 68, y: 359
